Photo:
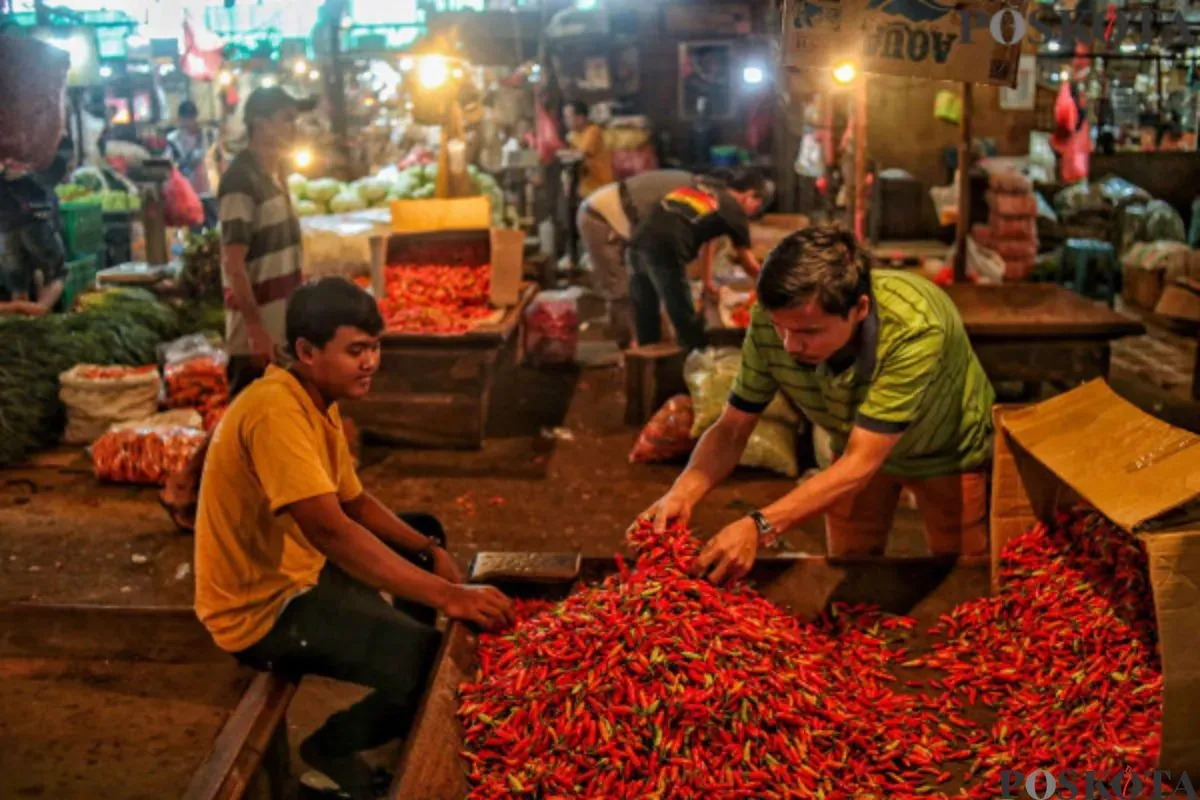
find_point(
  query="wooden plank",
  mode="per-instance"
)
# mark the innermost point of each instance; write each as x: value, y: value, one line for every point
x: 1068, y: 361
x: 1025, y: 311
x: 244, y: 739
x: 430, y: 765
x: 162, y: 634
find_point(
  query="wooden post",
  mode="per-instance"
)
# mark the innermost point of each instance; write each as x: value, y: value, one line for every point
x: 964, y: 188
x: 860, y: 158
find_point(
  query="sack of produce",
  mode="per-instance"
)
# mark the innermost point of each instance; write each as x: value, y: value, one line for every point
x: 552, y: 327
x: 199, y: 382
x: 1012, y: 205
x: 1009, y: 182
x: 144, y: 455
x: 97, y: 396
x: 710, y: 375
x: 1020, y: 228
x: 668, y: 434
x: 1015, y: 249
x: 33, y: 82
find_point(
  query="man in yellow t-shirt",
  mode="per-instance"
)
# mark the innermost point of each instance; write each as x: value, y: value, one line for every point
x: 587, y: 139
x: 292, y: 554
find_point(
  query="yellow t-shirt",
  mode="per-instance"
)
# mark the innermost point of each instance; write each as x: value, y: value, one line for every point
x: 597, y: 160
x: 272, y: 448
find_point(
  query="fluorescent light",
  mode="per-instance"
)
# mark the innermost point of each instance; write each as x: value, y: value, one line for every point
x: 1129, y: 48
x: 406, y: 63
x: 1053, y: 47
x: 752, y: 76
x: 268, y: 82
x: 300, y: 67
x: 106, y: 72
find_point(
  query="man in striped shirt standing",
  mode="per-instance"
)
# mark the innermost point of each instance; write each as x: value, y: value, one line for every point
x: 260, y: 260
x: 879, y: 359
x: 260, y: 236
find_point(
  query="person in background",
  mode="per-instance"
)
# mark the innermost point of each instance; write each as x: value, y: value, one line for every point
x: 32, y: 253
x: 587, y: 140
x: 292, y: 553
x: 260, y: 262
x: 878, y: 358
x: 606, y: 220
x: 188, y: 146
x: 685, y: 224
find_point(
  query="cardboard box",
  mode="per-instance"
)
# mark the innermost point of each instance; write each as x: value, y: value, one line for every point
x: 1141, y: 286
x: 1143, y: 475
x: 422, y: 229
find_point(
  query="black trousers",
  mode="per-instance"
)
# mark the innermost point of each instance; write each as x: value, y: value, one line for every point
x: 344, y: 629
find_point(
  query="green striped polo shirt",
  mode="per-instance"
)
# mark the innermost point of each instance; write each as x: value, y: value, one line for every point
x: 913, y: 373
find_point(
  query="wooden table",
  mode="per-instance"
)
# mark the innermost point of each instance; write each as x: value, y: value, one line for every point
x: 433, y: 390
x: 1037, y: 333
x: 1033, y: 333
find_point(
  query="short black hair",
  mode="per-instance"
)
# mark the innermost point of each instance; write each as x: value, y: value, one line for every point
x: 822, y: 262
x: 188, y: 110
x: 579, y: 107
x: 318, y: 309
x: 743, y: 180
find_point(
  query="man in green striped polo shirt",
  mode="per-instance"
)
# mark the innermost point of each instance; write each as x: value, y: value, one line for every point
x: 879, y: 359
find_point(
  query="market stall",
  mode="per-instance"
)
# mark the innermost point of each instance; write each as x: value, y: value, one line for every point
x: 453, y: 303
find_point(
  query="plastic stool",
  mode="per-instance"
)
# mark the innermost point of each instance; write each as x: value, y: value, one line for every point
x: 1089, y: 266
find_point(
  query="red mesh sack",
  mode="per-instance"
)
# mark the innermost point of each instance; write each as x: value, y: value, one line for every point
x: 668, y: 433
x: 144, y: 455
x: 33, y: 81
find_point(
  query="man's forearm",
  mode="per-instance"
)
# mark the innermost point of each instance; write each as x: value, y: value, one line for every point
x: 373, y: 515
x: 353, y: 548
x: 49, y: 295
x: 843, y: 477
x: 749, y: 263
x: 717, y: 453
x: 239, y: 284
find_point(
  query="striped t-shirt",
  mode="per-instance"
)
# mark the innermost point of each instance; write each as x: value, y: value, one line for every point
x: 914, y: 373
x: 256, y: 212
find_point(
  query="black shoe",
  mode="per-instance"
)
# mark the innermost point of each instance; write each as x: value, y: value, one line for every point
x: 350, y: 775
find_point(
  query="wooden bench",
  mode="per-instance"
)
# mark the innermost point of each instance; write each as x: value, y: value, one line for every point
x: 250, y: 757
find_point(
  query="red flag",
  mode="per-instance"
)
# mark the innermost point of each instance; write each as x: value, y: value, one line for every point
x: 203, y: 53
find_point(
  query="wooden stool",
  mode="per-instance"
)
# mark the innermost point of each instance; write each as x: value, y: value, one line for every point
x: 653, y: 374
x: 1089, y: 266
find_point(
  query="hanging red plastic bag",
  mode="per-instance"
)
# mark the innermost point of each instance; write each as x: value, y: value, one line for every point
x: 33, y: 83
x: 546, y: 134
x: 668, y: 434
x: 181, y: 205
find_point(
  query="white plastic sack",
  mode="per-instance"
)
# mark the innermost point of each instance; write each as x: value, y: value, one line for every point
x: 710, y: 374
x: 986, y: 265
x: 95, y: 404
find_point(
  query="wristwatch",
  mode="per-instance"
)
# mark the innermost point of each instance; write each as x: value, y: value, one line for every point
x: 425, y: 554
x: 767, y: 534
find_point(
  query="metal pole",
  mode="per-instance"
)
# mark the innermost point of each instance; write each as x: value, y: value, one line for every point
x: 335, y: 83
x: 964, y: 188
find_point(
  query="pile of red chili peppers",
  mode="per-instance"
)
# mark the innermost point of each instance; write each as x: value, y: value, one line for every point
x: 435, y: 298
x: 1066, y: 655
x: 654, y: 684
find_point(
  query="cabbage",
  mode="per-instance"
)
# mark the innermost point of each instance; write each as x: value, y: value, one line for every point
x: 424, y: 192
x: 371, y: 190
x: 405, y: 185
x: 346, y: 201
x: 307, y: 208
x: 385, y: 202
x: 322, y: 190
x: 297, y: 185
x: 428, y: 172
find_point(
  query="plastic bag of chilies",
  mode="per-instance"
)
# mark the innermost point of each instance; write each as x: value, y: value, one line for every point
x: 144, y: 455
x: 33, y: 81
x: 667, y: 435
x: 552, y: 327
